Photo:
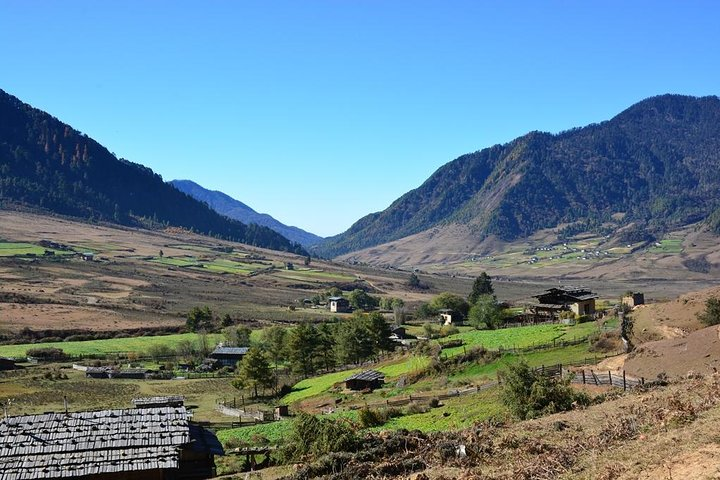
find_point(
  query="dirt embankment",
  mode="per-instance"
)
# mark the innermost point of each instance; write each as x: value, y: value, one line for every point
x: 672, y: 319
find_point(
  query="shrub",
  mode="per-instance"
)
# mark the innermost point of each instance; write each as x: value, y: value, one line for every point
x: 369, y: 417
x: 314, y: 436
x: 529, y: 393
x: 47, y: 354
x: 447, y: 330
x: 711, y: 315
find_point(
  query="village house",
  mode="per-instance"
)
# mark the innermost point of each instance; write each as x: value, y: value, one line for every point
x: 449, y: 317
x: 634, y: 299
x: 156, y: 443
x: 578, y: 300
x: 365, y: 380
x: 228, y: 356
x: 339, y: 304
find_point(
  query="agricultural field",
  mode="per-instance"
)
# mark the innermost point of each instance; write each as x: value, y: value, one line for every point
x: 32, y: 390
x: 519, y: 337
x: 667, y: 246
x: 19, y: 249
x: 315, y: 386
x: 138, y: 345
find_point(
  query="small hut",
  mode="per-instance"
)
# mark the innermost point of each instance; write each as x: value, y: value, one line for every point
x: 365, y: 380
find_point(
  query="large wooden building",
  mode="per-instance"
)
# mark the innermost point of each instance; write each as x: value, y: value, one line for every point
x: 157, y: 443
x: 229, y: 356
x: 579, y: 300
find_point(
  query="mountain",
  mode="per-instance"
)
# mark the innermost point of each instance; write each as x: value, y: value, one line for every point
x: 228, y: 206
x: 47, y: 164
x: 655, y: 165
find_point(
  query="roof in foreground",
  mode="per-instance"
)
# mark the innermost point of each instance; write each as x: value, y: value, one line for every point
x: 62, y: 445
x: 367, y: 375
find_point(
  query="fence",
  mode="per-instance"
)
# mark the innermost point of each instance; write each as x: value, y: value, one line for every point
x: 585, y: 377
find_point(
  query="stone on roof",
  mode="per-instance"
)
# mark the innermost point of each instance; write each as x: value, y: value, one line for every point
x: 75, y: 444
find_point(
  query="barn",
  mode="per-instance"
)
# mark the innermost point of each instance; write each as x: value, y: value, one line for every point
x: 157, y: 443
x: 365, y: 380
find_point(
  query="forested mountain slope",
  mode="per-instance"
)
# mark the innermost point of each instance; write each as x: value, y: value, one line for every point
x: 45, y: 163
x: 228, y: 206
x: 656, y: 163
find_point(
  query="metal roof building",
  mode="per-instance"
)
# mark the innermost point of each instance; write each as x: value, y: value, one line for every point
x: 148, y: 443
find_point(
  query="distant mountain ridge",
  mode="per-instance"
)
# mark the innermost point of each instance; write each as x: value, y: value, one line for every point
x: 656, y: 163
x: 47, y: 164
x: 230, y: 207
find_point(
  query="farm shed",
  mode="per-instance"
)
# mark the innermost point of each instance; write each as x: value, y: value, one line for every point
x: 579, y: 300
x: 98, y: 372
x: 142, y: 443
x: 365, y: 380
x: 7, y: 364
x: 228, y: 356
x: 339, y: 304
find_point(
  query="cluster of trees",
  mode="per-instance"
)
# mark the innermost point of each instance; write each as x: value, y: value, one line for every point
x: 46, y: 163
x: 480, y: 309
x: 307, y: 348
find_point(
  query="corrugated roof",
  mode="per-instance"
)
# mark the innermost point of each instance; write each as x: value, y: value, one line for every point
x: 230, y: 350
x: 335, y: 299
x: 57, y: 445
x: 367, y: 375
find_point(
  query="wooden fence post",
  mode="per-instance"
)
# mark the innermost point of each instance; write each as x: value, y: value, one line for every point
x: 583, y: 375
x: 624, y: 382
x: 610, y: 377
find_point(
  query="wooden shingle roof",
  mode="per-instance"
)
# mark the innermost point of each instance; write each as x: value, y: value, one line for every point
x: 367, y: 376
x: 61, y: 445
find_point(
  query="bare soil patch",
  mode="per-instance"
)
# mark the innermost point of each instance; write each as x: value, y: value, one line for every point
x: 697, y: 352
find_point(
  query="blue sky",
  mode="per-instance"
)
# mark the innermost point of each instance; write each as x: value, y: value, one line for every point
x: 319, y: 112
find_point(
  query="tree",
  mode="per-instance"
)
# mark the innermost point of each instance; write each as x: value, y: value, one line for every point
x: 711, y: 315
x: 302, y: 349
x: 481, y: 286
x: 307, y: 260
x: 529, y: 393
x: 486, y: 313
x: 226, y: 320
x: 413, y: 281
x: 354, y: 342
x: 255, y: 370
x: 380, y: 332
x: 326, y: 344
x: 238, y: 336
x: 360, y: 300
x: 450, y: 301
x: 199, y: 318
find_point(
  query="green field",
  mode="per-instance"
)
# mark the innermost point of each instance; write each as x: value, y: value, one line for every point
x: 311, y: 387
x: 667, y: 246
x: 304, y: 274
x: 217, y: 265
x: 519, y: 337
x: 13, y: 249
x: 452, y: 414
x: 111, y: 345
x: 478, y: 374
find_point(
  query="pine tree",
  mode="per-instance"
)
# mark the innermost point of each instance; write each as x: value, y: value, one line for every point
x: 255, y: 370
x: 481, y: 286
